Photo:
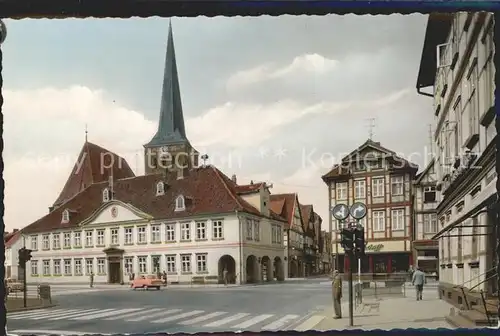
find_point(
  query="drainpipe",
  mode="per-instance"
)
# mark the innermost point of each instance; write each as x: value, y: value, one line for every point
x: 240, y: 245
x: 497, y: 214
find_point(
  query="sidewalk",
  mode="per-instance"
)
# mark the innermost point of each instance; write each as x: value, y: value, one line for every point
x: 393, y: 313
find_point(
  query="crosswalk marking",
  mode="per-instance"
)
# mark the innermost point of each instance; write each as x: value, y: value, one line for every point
x: 251, y: 322
x: 179, y: 316
x: 280, y: 323
x: 310, y: 323
x: 32, y: 314
x: 51, y: 314
x: 202, y: 318
x: 80, y: 313
x: 226, y: 320
x: 121, y: 316
x: 38, y: 311
x: 142, y: 318
x: 104, y: 314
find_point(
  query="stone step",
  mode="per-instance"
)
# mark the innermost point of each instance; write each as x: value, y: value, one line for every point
x: 477, y: 318
x: 459, y: 321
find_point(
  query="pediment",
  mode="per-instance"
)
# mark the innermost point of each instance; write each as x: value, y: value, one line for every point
x: 115, y: 212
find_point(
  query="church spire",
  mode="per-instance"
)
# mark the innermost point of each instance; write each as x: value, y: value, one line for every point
x: 171, y: 129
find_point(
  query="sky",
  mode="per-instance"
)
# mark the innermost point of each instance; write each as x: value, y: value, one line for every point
x: 275, y: 99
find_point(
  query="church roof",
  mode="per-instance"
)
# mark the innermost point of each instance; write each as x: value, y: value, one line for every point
x: 207, y: 191
x: 94, y: 164
x: 171, y: 129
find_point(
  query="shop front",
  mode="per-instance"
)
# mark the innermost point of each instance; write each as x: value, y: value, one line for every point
x: 380, y: 257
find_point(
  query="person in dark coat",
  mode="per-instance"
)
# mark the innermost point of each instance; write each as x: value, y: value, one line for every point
x: 337, y: 294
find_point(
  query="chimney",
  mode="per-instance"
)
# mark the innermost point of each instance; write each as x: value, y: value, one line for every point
x: 233, y: 178
x: 15, y: 230
x: 180, y: 173
x: 111, y: 187
x: 251, y: 182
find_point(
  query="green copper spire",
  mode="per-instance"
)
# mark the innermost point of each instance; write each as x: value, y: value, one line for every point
x: 171, y: 128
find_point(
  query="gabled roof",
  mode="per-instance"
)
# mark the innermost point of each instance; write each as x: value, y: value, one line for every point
x: 250, y: 188
x: 206, y: 190
x: 11, y: 238
x: 421, y: 175
x: 92, y: 167
x: 344, y: 169
x: 306, y: 211
x: 286, y: 203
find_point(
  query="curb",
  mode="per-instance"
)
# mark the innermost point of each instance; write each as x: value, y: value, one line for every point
x: 31, y: 308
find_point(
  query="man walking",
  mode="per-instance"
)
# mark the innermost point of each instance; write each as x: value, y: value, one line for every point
x: 418, y: 280
x: 224, y: 275
x: 337, y: 294
x: 91, y: 279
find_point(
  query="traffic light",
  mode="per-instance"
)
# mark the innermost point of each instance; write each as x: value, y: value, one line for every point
x: 24, y: 255
x: 347, y: 239
x: 359, y: 242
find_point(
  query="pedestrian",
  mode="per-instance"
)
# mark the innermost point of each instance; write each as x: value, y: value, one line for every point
x: 165, y: 278
x: 91, y: 279
x: 418, y: 280
x: 337, y: 294
x: 224, y: 275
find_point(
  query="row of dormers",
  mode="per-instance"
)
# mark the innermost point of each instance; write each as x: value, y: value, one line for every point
x: 160, y: 190
x: 180, y: 205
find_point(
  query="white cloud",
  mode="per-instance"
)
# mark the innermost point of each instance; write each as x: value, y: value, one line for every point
x: 309, y: 63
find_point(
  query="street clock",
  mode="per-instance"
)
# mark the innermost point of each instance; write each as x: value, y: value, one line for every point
x: 340, y: 212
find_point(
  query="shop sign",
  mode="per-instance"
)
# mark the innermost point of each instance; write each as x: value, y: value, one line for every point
x: 374, y: 247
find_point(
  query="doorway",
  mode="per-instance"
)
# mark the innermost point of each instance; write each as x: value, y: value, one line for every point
x: 114, y: 272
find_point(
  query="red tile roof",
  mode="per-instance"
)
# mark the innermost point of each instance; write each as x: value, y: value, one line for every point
x: 249, y: 188
x: 94, y: 164
x: 11, y: 238
x: 306, y: 211
x: 206, y: 190
x: 287, y: 208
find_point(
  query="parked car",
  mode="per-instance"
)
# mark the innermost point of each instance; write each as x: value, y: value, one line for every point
x: 146, y: 282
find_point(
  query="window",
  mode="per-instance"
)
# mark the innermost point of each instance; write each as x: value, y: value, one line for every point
x: 341, y: 190
x: 379, y: 221
x: 34, y: 243
x: 100, y: 237
x: 276, y: 234
x: 57, y: 267
x: 256, y: 230
x: 201, y: 263
x: 65, y: 216
x: 78, y: 267
x: 179, y: 203
x: 46, y: 267
x: 186, y: 263
x: 155, y: 263
x: 280, y: 234
x: 473, y: 101
x: 34, y: 267
x: 185, y: 231
x: 114, y: 236
x: 378, y: 187
x: 141, y: 235
x: 171, y: 261
x: 160, y: 188
x: 46, y: 242
x: 430, y: 223
x: 155, y: 234
x: 77, y: 239
x: 143, y: 264
x: 89, y: 239
x: 398, y: 220
x: 170, y: 233
x: 249, y: 229
x: 89, y: 266
x: 56, y: 241
x: 67, y: 240
x: 105, y: 195
x: 101, y: 266
x: 359, y: 189
x: 429, y: 194
x: 217, y: 230
x: 67, y: 266
x: 129, y: 236
x: 128, y: 263
x: 397, y: 185
x: 201, y: 230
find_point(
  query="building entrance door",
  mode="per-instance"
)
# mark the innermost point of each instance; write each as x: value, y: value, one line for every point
x: 115, y: 261
x: 114, y: 272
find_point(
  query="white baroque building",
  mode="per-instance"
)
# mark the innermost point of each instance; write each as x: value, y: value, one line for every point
x: 189, y: 221
x: 457, y: 61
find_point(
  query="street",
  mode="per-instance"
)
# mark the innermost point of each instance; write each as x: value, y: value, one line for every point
x: 281, y: 306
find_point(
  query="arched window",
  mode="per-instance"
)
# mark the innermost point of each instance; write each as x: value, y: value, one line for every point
x: 105, y: 195
x: 160, y: 188
x: 65, y: 216
x: 179, y: 203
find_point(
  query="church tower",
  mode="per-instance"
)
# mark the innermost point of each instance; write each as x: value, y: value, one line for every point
x: 169, y: 150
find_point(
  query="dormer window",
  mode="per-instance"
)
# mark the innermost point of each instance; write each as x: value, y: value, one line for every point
x: 180, y: 203
x: 160, y: 188
x: 65, y: 216
x: 105, y: 195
